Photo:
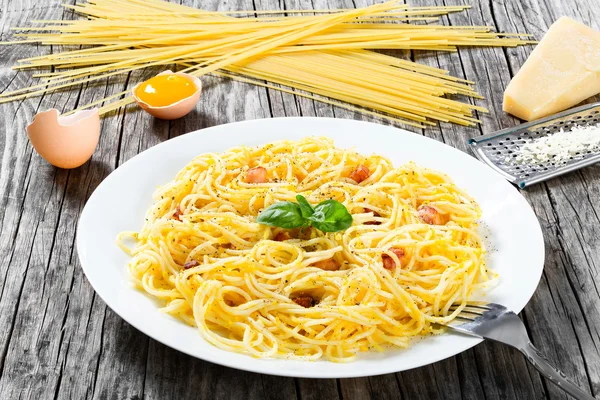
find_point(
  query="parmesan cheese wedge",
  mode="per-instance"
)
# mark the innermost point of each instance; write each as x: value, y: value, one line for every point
x: 563, y: 70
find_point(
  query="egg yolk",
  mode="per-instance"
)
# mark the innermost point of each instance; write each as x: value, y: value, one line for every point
x: 164, y: 90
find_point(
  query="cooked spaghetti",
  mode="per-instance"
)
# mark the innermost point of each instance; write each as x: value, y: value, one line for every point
x: 412, y: 251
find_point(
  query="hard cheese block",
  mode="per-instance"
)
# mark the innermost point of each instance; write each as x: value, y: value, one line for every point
x: 561, y: 71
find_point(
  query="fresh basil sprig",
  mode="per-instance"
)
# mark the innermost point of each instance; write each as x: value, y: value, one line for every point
x: 327, y: 216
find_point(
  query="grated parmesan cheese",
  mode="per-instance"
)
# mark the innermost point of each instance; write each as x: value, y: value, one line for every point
x: 559, y: 147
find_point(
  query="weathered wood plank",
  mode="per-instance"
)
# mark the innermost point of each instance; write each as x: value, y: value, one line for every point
x: 86, y: 322
x: 567, y: 299
x: 575, y: 346
x: 463, y: 376
x: 523, y: 381
x: 49, y: 348
x: 53, y: 276
x: 29, y: 219
x: 124, y: 349
x: 172, y: 374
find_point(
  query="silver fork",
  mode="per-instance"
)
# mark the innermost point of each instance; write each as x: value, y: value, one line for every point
x: 496, y: 322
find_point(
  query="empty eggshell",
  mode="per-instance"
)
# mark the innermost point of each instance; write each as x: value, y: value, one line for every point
x: 65, y: 142
x: 175, y: 110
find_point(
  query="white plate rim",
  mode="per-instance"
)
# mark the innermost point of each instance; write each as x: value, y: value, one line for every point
x: 273, y: 367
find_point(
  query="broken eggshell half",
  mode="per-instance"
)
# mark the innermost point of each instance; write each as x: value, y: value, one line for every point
x: 177, y: 109
x: 65, y: 142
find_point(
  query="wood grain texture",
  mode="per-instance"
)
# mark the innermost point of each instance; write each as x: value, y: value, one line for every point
x: 59, y: 340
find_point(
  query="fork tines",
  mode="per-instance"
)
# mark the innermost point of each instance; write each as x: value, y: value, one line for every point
x: 475, y: 309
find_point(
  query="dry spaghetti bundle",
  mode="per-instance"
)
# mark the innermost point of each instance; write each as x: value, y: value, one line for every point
x: 326, y: 56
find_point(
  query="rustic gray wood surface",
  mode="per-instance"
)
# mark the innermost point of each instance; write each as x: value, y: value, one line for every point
x: 59, y: 340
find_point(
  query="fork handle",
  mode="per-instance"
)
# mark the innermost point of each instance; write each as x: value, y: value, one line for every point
x: 535, y: 357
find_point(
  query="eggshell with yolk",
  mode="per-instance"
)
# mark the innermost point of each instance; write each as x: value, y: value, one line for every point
x: 177, y: 109
x: 65, y: 142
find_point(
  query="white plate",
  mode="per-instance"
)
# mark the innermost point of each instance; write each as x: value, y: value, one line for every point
x: 120, y: 202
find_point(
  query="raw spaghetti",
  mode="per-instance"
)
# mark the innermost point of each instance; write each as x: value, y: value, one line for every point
x: 202, y: 253
x: 327, y: 57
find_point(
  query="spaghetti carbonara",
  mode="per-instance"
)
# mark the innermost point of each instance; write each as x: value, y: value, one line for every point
x: 412, y: 251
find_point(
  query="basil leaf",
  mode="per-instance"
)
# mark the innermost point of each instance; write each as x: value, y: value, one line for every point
x: 327, y: 216
x: 305, y: 207
x: 331, y: 216
x: 284, y: 214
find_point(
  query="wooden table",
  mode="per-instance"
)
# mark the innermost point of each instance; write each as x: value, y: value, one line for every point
x: 59, y: 340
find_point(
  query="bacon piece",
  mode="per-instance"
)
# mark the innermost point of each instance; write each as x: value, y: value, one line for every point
x: 431, y: 216
x: 304, y: 300
x: 327, y: 265
x: 388, y: 261
x: 257, y: 175
x: 177, y: 214
x: 281, y: 236
x: 375, y: 214
x: 191, y: 264
x: 360, y: 174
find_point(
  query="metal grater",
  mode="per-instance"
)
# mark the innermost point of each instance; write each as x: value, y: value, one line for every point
x: 495, y: 148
